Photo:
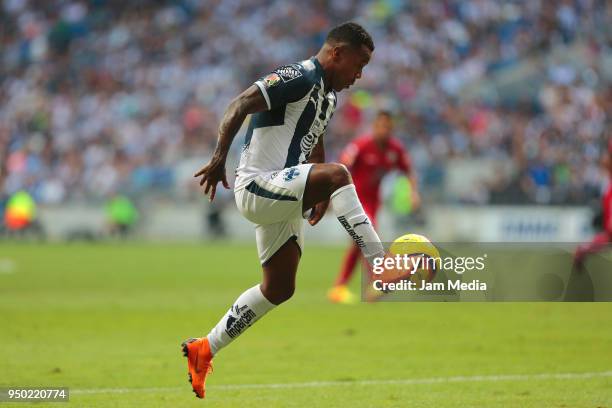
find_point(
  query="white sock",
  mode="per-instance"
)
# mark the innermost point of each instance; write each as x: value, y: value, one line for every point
x: 351, y: 215
x: 247, y: 309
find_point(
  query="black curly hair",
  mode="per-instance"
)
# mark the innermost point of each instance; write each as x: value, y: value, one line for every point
x: 351, y: 33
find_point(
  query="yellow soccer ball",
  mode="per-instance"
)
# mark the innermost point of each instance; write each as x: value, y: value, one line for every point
x: 422, y: 254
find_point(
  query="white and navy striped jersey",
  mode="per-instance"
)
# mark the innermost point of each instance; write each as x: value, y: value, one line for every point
x: 299, y: 110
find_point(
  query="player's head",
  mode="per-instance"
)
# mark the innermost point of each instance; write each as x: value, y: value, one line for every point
x: 348, y: 48
x: 383, y: 125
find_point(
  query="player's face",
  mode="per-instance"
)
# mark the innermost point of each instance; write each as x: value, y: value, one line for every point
x: 349, y: 62
x: 383, y: 125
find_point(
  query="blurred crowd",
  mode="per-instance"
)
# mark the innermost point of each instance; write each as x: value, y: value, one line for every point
x: 103, y: 96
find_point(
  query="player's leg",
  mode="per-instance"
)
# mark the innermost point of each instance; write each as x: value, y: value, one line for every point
x: 599, y: 243
x: 279, y: 273
x: 274, y: 205
x: 278, y: 286
x: 332, y: 181
x: 351, y: 257
x: 340, y: 293
x: 353, y: 253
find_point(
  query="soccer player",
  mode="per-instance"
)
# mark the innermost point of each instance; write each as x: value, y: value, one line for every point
x: 602, y: 240
x: 282, y: 176
x: 369, y: 158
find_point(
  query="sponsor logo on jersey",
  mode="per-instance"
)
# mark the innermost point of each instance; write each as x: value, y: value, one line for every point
x: 307, y: 143
x: 290, y: 174
x: 271, y: 80
x: 288, y: 72
x: 319, y: 123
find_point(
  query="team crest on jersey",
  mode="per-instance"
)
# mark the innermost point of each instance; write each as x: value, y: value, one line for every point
x: 288, y: 72
x: 271, y: 80
x: 290, y: 174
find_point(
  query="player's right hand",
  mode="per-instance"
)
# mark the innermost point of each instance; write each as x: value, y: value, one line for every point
x: 212, y: 173
x: 318, y: 212
x: 416, y: 200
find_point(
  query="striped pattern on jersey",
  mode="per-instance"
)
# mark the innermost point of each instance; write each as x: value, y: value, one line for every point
x: 298, y: 113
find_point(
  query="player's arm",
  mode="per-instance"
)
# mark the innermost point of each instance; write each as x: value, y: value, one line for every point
x: 249, y: 101
x: 318, y: 152
x: 405, y: 165
x: 415, y: 194
x: 414, y: 186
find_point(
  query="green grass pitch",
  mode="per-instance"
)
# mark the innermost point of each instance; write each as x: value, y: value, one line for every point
x: 107, y: 321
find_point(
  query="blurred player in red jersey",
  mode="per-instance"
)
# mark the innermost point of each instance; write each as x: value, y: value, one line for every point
x: 602, y: 240
x: 369, y: 158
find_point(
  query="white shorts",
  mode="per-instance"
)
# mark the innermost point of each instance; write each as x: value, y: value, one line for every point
x: 273, y: 202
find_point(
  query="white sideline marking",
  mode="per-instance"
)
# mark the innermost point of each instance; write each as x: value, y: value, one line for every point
x: 317, y: 384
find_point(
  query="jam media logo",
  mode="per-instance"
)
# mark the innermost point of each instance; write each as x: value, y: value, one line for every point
x: 290, y: 174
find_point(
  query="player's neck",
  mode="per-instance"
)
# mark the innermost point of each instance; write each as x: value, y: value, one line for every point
x: 381, y: 142
x: 325, y: 64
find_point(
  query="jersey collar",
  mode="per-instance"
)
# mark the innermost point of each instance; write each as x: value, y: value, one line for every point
x: 320, y: 71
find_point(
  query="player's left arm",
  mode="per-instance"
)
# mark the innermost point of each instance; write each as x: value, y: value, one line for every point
x: 405, y: 165
x: 318, y: 153
x: 318, y: 156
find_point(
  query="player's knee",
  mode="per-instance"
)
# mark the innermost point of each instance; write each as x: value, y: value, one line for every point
x: 339, y: 176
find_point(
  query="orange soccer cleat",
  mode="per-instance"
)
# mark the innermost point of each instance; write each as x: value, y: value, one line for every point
x: 199, y: 362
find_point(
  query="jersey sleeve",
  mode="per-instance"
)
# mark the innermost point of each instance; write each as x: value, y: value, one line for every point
x: 284, y: 85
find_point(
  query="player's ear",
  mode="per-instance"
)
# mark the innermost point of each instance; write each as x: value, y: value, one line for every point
x: 337, y: 52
